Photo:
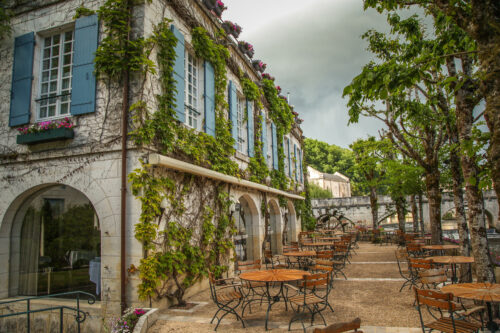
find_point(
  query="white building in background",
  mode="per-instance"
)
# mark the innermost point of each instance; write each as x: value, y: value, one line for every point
x: 338, y: 184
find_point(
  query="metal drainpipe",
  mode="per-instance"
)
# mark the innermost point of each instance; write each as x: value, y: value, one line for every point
x: 123, y: 220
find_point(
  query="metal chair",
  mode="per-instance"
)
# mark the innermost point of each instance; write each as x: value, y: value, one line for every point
x: 443, y: 303
x: 308, y: 299
x: 227, y: 296
x: 401, y: 258
x: 252, y: 291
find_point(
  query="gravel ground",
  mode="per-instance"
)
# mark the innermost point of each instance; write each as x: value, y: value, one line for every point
x: 377, y: 303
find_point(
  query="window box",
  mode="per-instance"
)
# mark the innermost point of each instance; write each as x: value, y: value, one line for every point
x: 53, y: 134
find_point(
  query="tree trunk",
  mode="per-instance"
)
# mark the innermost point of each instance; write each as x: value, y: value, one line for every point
x: 421, y: 214
x: 414, y: 212
x: 400, y: 209
x: 284, y: 238
x: 434, y: 202
x: 374, y: 207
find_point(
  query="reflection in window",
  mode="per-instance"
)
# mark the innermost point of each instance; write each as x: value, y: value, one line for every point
x: 240, y: 239
x: 59, y: 244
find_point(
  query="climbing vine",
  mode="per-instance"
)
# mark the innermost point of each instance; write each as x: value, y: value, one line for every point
x: 282, y: 117
x: 176, y: 253
x: 5, y: 15
x: 257, y: 166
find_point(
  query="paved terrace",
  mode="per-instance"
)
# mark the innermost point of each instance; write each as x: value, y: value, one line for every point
x: 371, y: 292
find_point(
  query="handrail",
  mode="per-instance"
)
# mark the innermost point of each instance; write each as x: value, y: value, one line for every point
x: 80, y: 315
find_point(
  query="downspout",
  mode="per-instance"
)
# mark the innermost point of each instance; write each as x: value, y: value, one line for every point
x: 123, y: 205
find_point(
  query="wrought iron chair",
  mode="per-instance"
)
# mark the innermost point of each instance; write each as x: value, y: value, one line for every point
x: 274, y: 261
x: 227, y: 296
x: 323, y: 265
x: 401, y: 259
x: 252, y: 291
x: 442, y: 303
x: 307, y: 299
x: 291, y: 261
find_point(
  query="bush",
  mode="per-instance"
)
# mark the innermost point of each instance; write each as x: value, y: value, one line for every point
x: 317, y: 192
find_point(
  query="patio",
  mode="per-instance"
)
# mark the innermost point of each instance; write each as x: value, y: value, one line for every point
x: 370, y: 293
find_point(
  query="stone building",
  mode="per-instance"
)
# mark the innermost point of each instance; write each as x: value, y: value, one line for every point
x: 64, y: 212
x: 338, y: 184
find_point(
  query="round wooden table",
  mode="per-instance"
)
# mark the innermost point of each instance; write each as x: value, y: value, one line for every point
x: 441, y: 248
x: 453, y: 261
x: 329, y: 238
x: 318, y: 244
x: 487, y: 292
x: 269, y: 277
x: 303, y: 257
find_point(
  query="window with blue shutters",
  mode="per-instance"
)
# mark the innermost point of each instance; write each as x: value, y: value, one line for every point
x: 193, y: 93
x: 250, y: 126
x: 209, y: 99
x: 55, y: 76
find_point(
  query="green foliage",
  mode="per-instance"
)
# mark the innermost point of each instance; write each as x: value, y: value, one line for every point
x: 116, y: 52
x: 82, y: 11
x: 317, y: 192
x: 330, y: 159
x: 5, y: 15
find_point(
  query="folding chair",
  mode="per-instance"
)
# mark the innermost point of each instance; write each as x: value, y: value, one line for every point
x: 226, y: 296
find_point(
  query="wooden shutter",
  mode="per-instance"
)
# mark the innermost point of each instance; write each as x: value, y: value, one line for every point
x: 300, y: 163
x: 22, y: 75
x: 250, y: 128
x: 296, y: 161
x: 289, y: 159
x: 275, y: 146
x: 233, y: 113
x: 83, y: 82
x: 179, y: 75
x: 263, y: 138
x: 209, y: 99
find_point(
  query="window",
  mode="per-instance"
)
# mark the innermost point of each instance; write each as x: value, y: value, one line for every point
x: 269, y: 146
x: 55, y: 79
x: 242, y: 125
x: 194, y: 79
x: 286, y: 152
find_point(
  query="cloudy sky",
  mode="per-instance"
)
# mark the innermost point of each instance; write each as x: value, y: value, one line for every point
x: 314, y: 49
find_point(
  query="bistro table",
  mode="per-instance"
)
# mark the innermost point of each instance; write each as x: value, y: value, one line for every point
x: 303, y: 257
x: 453, y: 261
x: 272, y: 276
x: 487, y: 292
x: 329, y: 238
x: 318, y: 244
x: 441, y: 248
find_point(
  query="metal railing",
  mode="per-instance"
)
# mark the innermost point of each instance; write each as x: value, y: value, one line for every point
x: 79, y: 318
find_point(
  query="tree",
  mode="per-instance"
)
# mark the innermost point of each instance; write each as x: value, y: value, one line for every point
x: 317, y: 192
x: 389, y: 91
x: 330, y: 159
x: 368, y: 163
x: 479, y: 19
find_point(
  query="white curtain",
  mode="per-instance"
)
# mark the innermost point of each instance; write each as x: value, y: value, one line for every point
x: 30, y: 247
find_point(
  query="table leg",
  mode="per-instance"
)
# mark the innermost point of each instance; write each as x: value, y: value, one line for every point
x: 454, y: 273
x: 491, y: 325
x: 272, y: 300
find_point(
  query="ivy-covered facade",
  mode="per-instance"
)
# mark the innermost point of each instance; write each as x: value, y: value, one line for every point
x: 213, y: 154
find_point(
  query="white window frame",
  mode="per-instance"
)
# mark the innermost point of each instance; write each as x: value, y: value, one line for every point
x: 242, y: 124
x: 193, y: 91
x: 60, y: 97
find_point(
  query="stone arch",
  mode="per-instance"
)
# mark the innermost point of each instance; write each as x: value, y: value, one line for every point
x: 250, y: 215
x: 275, y: 227
x: 15, y: 207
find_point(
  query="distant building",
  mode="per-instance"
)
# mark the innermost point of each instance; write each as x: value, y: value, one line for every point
x: 337, y: 183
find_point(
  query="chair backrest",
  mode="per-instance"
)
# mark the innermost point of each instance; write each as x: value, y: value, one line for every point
x: 433, y: 276
x: 435, y: 299
x: 341, y: 327
x: 324, y: 255
x: 420, y: 263
x: 268, y: 253
x: 314, y: 280
x: 327, y: 252
x: 290, y: 248
x: 244, y: 266
x: 323, y: 265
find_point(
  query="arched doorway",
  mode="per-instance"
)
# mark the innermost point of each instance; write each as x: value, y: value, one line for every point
x: 55, y: 244
x: 246, y: 220
x: 275, y: 228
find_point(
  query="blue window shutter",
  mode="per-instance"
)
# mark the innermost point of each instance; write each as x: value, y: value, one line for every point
x: 233, y: 113
x: 296, y: 161
x: 289, y: 160
x: 275, y: 146
x: 300, y: 163
x: 263, y: 138
x: 250, y: 128
x: 209, y: 99
x: 83, y: 83
x: 22, y: 74
x: 179, y: 75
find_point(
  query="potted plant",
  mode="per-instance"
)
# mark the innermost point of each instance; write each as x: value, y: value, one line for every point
x: 259, y: 66
x: 219, y: 8
x: 246, y: 48
x: 46, y: 131
x: 231, y: 28
x: 268, y: 76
